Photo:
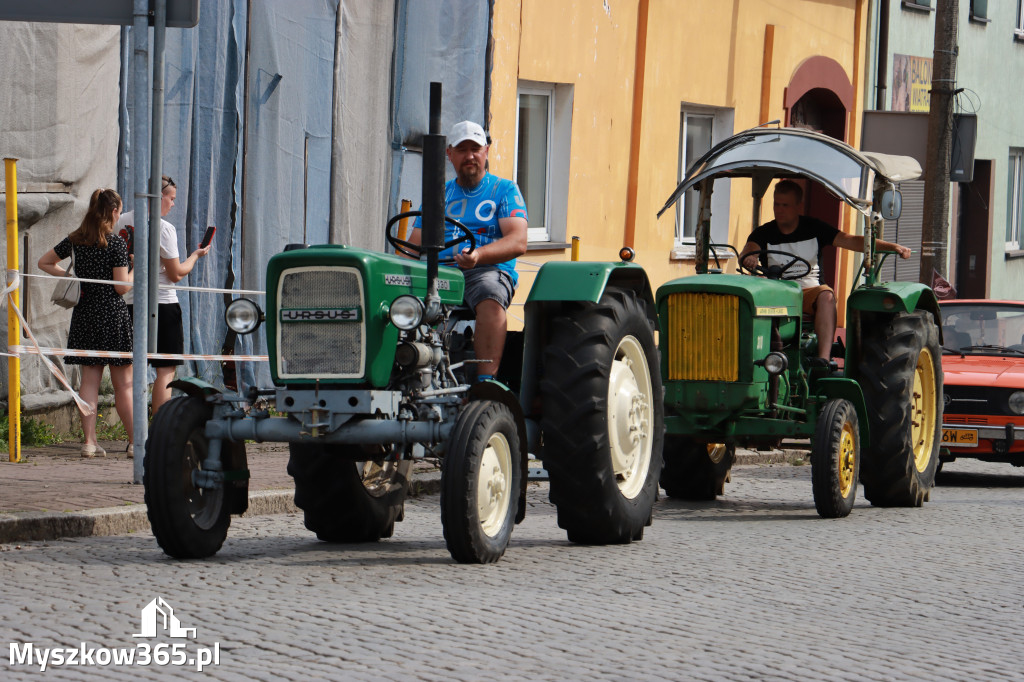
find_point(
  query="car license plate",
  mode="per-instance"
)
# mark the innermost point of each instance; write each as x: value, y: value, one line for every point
x: 960, y: 438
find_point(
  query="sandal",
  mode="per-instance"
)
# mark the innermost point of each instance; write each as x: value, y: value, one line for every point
x: 129, y: 452
x: 89, y: 451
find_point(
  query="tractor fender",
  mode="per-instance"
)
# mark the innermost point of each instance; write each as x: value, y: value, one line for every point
x: 586, y: 281
x: 847, y: 389
x: 895, y: 297
x: 195, y: 387
x: 498, y: 392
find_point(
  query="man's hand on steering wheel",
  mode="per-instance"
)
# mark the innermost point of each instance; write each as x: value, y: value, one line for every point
x: 774, y: 271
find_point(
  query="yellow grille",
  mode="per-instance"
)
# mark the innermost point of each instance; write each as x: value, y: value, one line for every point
x: 703, y: 337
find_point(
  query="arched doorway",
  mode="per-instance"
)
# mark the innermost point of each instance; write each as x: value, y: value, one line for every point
x: 819, y: 97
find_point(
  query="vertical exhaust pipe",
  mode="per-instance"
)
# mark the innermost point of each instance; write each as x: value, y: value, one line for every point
x: 434, y: 144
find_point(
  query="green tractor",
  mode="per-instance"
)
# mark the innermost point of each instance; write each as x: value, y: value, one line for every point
x: 370, y: 360
x: 736, y: 351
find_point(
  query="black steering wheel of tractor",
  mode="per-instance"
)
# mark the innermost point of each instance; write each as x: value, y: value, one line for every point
x: 407, y: 248
x: 775, y: 271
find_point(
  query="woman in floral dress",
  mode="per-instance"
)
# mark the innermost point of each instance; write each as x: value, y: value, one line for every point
x: 100, y: 320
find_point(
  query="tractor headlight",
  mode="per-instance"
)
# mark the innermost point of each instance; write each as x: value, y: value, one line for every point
x: 406, y: 312
x: 776, y: 363
x: 243, y: 316
x: 1016, y: 402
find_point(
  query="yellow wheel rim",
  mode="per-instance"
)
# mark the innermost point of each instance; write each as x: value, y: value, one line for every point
x: 847, y: 460
x: 922, y: 418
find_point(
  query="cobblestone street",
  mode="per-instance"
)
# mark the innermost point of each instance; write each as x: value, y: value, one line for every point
x: 754, y: 586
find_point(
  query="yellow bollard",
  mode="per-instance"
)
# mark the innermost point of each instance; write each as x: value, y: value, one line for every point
x: 13, y: 325
x: 575, y: 248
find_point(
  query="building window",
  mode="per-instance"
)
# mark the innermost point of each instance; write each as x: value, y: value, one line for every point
x: 695, y: 136
x: 700, y: 128
x: 543, y: 133
x: 979, y: 12
x: 1015, y: 200
x: 1020, y: 18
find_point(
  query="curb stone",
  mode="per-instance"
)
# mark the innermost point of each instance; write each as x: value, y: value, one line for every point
x: 38, y: 526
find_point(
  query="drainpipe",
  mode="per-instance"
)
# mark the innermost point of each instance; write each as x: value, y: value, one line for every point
x: 629, y: 234
x: 883, y: 55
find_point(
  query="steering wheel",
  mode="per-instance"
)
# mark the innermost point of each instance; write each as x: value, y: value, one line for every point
x: 407, y: 248
x: 775, y: 271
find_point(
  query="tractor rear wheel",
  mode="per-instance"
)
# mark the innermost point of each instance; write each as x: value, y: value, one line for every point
x: 899, y: 371
x: 481, y: 476
x: 188, y: 522
x: 835, y: 459
x: 344, y: 500
x: 696, y: 471
x: 603, y: 420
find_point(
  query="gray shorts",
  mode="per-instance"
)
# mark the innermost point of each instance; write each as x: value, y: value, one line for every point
x: 488, y: 282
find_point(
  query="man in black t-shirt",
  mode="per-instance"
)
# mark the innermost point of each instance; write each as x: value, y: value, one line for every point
x: 805, y: 237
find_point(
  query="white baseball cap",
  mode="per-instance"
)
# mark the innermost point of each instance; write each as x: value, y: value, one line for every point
x: 467, y: 130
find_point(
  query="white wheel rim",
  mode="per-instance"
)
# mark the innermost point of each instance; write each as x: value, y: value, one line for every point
x: 494, y: 484
x: 630, y: 416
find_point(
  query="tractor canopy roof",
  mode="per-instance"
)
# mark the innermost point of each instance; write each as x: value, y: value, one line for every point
x: 764, y: 154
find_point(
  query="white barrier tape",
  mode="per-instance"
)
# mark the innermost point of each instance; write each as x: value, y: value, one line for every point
x: 83, y: 406
x: 44, y: 350
x: 162, y: 286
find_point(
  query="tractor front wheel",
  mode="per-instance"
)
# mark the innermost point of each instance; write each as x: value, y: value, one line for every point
x: 344, y: 499
x: 188, y: 522
x: 603, y: 421
x: 481, y: 476
x: 835, y: 459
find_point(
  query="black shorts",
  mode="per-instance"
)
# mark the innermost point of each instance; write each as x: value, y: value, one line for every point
x: 169, y: 337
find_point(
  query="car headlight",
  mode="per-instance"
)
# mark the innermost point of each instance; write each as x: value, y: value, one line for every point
x: 243, y: 316
x: 406, y: 312
x: 1016, y: 402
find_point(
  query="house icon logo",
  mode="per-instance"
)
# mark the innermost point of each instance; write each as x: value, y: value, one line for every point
x: 158, y: 617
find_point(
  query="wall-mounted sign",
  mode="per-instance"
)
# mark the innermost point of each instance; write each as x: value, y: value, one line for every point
x: 911, y: 83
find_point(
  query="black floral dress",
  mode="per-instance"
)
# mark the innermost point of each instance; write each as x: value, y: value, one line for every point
x: 100, y: 320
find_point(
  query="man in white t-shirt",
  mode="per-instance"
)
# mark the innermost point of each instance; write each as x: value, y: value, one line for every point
x: 170, y: 338
x: 798, y: 235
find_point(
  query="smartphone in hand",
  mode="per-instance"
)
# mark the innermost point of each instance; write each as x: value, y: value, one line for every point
x: 208, y: 237
x: 127, y: 233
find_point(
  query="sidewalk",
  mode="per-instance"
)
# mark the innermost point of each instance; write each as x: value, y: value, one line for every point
x: 53, y: 492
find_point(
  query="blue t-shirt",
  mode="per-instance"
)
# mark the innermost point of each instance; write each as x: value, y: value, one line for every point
x: 479, y: 209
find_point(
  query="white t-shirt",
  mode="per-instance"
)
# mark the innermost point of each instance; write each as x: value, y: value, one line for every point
x: 168, y: 249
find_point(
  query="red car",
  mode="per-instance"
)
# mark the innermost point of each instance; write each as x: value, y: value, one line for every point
x: 983, y: 364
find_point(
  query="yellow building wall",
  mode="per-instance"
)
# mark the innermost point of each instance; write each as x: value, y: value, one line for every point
x: 699, y: 52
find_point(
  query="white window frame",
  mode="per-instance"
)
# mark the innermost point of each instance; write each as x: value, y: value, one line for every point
x: 684, y: 123
x: 1019, y: 27
x: 723, y: 120
x: 539, y: 228
x: 552, y: 226
x: 1015, y: 199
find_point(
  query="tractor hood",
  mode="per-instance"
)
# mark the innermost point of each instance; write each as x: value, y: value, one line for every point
x: 764, y: 154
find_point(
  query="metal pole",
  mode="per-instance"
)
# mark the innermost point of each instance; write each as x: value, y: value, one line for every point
x: 13, y: 325
x: 140, y: 136
x: 153, y: 270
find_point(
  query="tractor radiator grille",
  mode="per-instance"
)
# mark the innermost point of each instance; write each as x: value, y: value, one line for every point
x: 322, y: 349
x: 703, y: 337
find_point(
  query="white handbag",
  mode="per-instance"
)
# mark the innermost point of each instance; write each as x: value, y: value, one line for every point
x: 67, y: 292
